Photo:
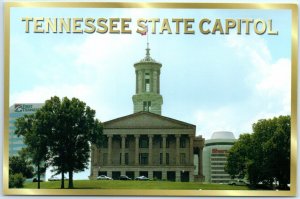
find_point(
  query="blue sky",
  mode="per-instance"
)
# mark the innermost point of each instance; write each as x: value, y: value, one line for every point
x: 217, y: 82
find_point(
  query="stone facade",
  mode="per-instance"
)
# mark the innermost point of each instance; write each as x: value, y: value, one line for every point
x: 148, y: 144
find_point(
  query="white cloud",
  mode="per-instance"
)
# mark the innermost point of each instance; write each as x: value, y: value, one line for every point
x: 41, y: 93
x: 270, y: 83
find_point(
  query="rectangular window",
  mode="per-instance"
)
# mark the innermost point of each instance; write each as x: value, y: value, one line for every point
x: 147, y: 85
x: 105, y: 159
x: 105, y: 143
x: 182, y: 142
x: 147, y: 82
x: 126, y: 158
x: 126, y: 143
x: 144, y: 142
x: 182, y: 158
x: 147, y: 105
x: 167, y: 158
x: 160, y: 158
x: 167, y: 143
x: 120, y: 160
x: 143, y: 158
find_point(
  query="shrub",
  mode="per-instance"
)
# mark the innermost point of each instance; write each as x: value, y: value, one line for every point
x: 16, y: 180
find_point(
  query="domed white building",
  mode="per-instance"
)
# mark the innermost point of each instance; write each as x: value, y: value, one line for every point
x: 214, y: 156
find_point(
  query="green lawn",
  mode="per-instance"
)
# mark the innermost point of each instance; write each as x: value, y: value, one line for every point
x: 117, y: 184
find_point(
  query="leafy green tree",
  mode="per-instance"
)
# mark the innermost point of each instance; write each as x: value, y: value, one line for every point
x: 272, y: 141
x: 35, y: 138
x: 238, y: 155
x: 71, y: 128
x: 264, y: 155
x: 19, y: 169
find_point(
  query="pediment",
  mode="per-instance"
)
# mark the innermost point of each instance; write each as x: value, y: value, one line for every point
x: 146, y: 120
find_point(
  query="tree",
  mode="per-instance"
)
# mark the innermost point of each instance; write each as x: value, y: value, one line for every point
x: 71, y: 129
x: 238, y: 157
x: 19, y: 168
x: 35, y: 139
x: 264, y: 155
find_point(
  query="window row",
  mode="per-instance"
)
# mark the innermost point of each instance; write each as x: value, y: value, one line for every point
x: 144, y: 143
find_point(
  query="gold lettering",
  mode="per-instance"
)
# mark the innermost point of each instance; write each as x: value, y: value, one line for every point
x: 101, y: 22
x: 37, y: 25
x: 51, y: 24
x: 154, y: 21
x: 247, y: 21
x: 27, y: 20
x: 218, y: 27
x: 239, y: 26
x: 270, y: 31
x: 263, y: 29
x: 165, y: 26
x: 205, y: 20
x: 230, y: 23
x: 89, y: 22
x: 177, y: 22
x: 113, y: 25
x: 76, y: 28
x: 65, y: 25
x: 187, y: 26
x: 125, y: 25
x: 141, y: 24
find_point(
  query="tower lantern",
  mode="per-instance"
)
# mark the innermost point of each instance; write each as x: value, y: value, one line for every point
x: 147, y: 95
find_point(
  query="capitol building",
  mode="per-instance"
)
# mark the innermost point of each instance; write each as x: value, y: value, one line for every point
x: 146, y: 142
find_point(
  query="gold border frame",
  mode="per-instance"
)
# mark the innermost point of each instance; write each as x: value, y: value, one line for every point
x: 263, y: 6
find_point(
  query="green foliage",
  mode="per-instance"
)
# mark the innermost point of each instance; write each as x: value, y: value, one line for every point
x: 60, y: 134
x: 20, y: 164
x: 70, y: 129
x: 263, y: 156
x: 36, y: 140
x: 16, y: 180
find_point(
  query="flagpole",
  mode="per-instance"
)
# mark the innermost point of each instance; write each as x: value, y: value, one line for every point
x: 147, y: 37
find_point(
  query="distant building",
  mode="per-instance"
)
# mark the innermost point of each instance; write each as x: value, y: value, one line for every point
x: 214, y: 156
x: 145, y: 142
x: 16, y: 111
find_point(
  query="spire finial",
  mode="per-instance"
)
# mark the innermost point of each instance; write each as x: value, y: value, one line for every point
x: 147, y: 50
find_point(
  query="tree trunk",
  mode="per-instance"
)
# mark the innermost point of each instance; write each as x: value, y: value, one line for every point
x: 39, y: 176
x: 62, y: 186
x: 71, y: 186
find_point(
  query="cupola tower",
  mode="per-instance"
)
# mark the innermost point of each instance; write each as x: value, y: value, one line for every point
x: 147, y: 95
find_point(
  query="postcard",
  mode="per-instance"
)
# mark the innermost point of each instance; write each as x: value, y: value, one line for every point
x: 150, y: 99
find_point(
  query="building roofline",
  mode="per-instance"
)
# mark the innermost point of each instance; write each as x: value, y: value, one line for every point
x: 152, y: 114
